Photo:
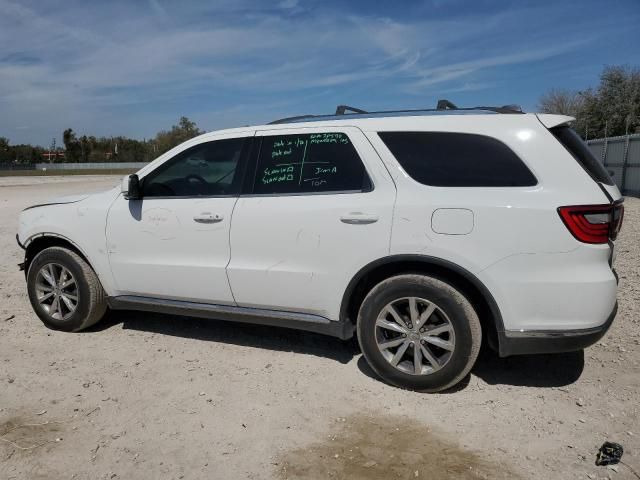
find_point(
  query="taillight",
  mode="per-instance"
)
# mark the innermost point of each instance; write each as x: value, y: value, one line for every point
x: 593, y: 223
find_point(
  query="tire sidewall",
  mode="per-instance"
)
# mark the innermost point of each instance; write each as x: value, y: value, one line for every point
x: 411, y: 286
x: 67, y: 260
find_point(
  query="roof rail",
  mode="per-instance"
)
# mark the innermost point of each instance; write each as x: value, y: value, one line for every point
x: 294, y: 119
x: 443, y: 105
x: 447, y: 105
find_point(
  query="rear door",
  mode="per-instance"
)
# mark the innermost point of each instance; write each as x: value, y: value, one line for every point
x: 319, y: 208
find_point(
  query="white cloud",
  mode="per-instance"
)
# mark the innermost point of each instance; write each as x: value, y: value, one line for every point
x: 157, y: 8
x: 89, y: 65
x: 288, y: 4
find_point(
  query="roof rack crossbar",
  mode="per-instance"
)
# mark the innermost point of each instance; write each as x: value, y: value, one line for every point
x: 445, y: 104
x: 342, y: 109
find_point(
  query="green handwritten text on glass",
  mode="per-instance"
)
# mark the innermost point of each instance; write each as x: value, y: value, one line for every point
x: 301, y: 159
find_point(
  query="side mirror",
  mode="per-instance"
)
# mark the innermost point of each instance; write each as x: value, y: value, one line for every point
x: 130, y: 187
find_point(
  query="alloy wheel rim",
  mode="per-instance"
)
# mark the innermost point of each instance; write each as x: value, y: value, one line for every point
x: 415, y: 335
x: 56, y: 291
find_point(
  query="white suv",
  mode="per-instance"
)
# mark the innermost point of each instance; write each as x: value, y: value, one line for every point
x: 422, y: 231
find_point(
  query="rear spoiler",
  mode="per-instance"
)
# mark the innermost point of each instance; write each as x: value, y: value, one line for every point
x: 550, y: 120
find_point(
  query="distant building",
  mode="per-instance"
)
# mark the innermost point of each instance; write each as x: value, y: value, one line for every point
x: 48, y: 156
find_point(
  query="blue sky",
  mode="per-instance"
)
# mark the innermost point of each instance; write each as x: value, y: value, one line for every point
x: 127, y: 67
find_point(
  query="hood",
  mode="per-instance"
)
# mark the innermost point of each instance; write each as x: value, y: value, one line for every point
x: 62, y: 200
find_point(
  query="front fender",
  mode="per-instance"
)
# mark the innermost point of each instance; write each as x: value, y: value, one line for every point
x: 82, y: 224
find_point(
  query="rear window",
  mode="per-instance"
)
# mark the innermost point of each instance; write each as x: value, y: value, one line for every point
x: 572, y: 142
x: 447, y: 159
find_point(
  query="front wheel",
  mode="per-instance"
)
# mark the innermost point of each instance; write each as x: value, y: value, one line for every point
x: 64, y: 291
x: 419, y: 332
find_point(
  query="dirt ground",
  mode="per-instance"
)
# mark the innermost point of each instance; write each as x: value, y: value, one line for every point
x: 150, y: 396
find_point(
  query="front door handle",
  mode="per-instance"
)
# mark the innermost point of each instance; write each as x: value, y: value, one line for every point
x: 358, y: 218
x: 208, y: 218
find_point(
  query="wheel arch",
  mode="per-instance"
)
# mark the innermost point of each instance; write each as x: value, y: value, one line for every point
x: 39, y: 242
x: 381, y: 269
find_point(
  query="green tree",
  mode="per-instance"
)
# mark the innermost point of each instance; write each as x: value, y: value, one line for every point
x: 27, y: 154
x: 73, y: 149
x: 85, y: 148
x: 19, y: 153
x: 102, y: 149
x: 610, y: 109
x: 560, y: 101
x: 166, y: 140
x: 5, y: 150
x: 619, y: 99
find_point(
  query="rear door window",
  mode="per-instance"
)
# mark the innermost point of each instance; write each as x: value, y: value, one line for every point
x: 309, y: 163
x: 447, y: 159
x: 579, y: 150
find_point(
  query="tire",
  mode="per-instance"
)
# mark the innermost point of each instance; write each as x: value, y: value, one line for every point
x: 90, y: 299
x: 449, y: 344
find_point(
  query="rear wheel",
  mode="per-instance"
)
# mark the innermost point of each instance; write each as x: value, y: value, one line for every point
x: 64, y: 291
x: 419, y: 332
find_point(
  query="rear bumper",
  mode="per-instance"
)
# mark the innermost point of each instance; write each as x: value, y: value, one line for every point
x: 552, y: 341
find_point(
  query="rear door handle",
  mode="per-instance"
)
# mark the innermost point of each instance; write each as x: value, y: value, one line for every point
x: 208, y: 218
x: 358, y: 218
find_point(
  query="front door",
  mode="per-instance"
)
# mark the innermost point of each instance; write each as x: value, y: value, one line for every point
x: 174, y: 243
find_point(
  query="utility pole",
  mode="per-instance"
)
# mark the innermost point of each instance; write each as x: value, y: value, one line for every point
x: 629, y: 118
x: 586, y: 129
x: 52, y: 149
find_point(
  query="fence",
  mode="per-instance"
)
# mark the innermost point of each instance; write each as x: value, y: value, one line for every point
x: 621, y: 157
x: 16, y: 166
x: 51, y: 167
x: 91, y: 166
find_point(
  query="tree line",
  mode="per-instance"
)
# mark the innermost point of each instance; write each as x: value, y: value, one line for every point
x: 88, y: 148
x: 610, y: 109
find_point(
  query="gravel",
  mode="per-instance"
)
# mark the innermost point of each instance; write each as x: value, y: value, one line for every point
x: 150, y: 396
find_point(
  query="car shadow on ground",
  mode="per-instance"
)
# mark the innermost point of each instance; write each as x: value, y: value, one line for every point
x: 244, y: 334
x: 548, y: 370
x: 544, y: 371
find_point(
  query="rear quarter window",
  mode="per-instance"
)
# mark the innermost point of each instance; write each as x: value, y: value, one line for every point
x: 448, y: 159
x: 579, y: 150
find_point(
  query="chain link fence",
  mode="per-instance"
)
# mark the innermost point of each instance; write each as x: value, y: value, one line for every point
x: 621, y: 157
x: 91, y: 166
x: 94, y: 168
